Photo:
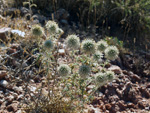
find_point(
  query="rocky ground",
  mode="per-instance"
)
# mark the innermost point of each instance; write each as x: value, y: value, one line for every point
x: 129, y: 92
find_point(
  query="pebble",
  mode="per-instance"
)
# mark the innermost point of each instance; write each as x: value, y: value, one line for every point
x: 20, y: 97
x: 2, y: 100
x: 12, y: 107
x: 61, y: 52
x: 18, y: 90
x: 130, y: 105
x: 10, y: 98
x: 115, y: 69
x: 32, y: 88
x: 141, y: 105
x: 3, y: 74
x: 4, y: 83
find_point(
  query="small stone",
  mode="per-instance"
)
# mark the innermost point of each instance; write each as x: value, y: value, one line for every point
x: 61, y: 52
x: 10, y: 98
x: 90, y: 87
x: 108, y: 106
x: 18, y: 32
x: 17, y: 89
x: 126, y: 89
x: 20, y: 97
x: 15, y: 95
x: 4, y: 83
x: 1, y: 101
x: 135, y: 77
x: 32, y: 88
x: 19, y: 111
x: 130, y: 105
x: 1, y: 95
x: 141, y: 105
x: 122, y: 105
x: 3, y: 105
x: 132, y: 110
x: 3, y: 74
x: 144, y: 92
x: 115, y: 69
x: 12, y: 107
x: 3, y: 111
x: 148, y: 85
x: 91, y: 109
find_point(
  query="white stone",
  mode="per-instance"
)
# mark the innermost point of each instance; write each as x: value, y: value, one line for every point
x: 4, y: 83
x: 18, y: 32
x: 61, y: 52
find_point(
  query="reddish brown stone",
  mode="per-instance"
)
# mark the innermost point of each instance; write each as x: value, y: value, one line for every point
x: 141, y: 104
x: 144, y: 92
x: 3, y: 74
x: 148, y: 85
x: 135, y: 77
x: 115, y: 69
x: 108, y: 106
x: 12, y: 107
x: 130, y: 105
x: 121, y: 105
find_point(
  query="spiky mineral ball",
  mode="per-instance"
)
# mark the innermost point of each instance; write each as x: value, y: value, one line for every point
x: 102, y: 45
x: 110, y: 75
x: 51, y: 26
x: 72, y: 42
x: 111, y: 53
x: 100, y: 78
x: 48, y: 44
x: 88, y: 46
x: 97, y: 56
x: 84, y: 71
x: 64, y: 70
x: 37, y: 30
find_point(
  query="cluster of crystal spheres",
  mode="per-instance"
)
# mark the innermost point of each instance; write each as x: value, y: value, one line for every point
x: 88, y: 46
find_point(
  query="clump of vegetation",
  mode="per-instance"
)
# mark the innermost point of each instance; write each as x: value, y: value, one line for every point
x: 102, y: 45
x: 73, y: 42
x: 88, y: 46
x: 37, y: 30
x: 66, y: 83
x: 111, y: 52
